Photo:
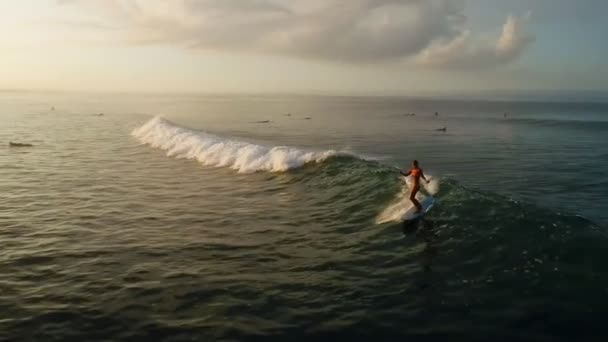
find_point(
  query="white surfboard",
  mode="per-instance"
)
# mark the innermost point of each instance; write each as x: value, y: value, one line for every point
x: 411, y: 213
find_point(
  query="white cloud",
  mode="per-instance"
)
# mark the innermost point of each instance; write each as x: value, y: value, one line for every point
x: 334, y: 30
x: 462, y: 52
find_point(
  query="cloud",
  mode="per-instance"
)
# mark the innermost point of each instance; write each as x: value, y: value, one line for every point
x: 353, y: 31
x: 462, y: 53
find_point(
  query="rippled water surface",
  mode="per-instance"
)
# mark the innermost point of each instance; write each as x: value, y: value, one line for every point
x: 232, y: 217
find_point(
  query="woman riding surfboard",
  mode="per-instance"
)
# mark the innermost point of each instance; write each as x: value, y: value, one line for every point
x: 416, y: 173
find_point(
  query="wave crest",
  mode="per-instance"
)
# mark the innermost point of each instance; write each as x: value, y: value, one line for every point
x: 213, y: 150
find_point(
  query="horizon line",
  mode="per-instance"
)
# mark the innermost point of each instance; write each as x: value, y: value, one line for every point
x: 536, y: 95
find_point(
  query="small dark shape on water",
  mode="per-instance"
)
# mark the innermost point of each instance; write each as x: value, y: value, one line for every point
x: 99, y: 114
x: 444, y: 129
x: 307, y: 118
x: 436, y: 113
x: 263, y: 121
x: 13, y: 144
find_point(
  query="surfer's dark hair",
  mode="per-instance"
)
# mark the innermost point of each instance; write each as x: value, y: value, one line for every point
x: 415, y: 162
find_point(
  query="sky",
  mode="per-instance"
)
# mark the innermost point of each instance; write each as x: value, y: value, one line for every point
x: 387, y: 47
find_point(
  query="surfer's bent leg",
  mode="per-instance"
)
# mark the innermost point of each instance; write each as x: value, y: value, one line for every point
x: 414, y: 200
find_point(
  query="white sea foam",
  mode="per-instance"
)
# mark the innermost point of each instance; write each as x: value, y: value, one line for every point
x: 401, y: 204
x: 213, y: 150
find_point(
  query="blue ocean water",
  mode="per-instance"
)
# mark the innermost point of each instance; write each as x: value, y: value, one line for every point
x: 274, y: 217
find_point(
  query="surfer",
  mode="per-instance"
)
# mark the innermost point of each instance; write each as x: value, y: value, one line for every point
x: 13, y: 144
x: 416, y: 173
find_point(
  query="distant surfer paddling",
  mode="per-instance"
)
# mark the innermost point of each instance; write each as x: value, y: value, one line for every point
x: 416, y: 173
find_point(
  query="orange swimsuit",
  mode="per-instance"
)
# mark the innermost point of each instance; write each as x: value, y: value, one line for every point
x: 416, y: 173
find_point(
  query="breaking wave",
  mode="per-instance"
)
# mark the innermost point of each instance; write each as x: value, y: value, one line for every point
x: 212, y: 150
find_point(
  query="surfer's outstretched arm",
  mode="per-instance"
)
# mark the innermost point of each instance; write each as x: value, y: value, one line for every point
x: 422, y: 175
x: 405, y: 174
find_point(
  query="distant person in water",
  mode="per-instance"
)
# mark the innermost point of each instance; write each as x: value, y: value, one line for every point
x: 416, y: 173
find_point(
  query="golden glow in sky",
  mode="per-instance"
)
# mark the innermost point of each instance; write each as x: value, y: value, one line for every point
x: 332, y: 46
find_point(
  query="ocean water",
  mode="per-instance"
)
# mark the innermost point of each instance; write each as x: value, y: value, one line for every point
x: 173, y: 218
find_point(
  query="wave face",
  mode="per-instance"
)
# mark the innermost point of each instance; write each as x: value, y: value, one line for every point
x: 213, y: 150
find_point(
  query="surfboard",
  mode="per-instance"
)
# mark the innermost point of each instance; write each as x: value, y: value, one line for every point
x: 411, y: 213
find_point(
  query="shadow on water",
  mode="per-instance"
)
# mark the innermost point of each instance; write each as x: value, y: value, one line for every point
x: 424, y: 231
